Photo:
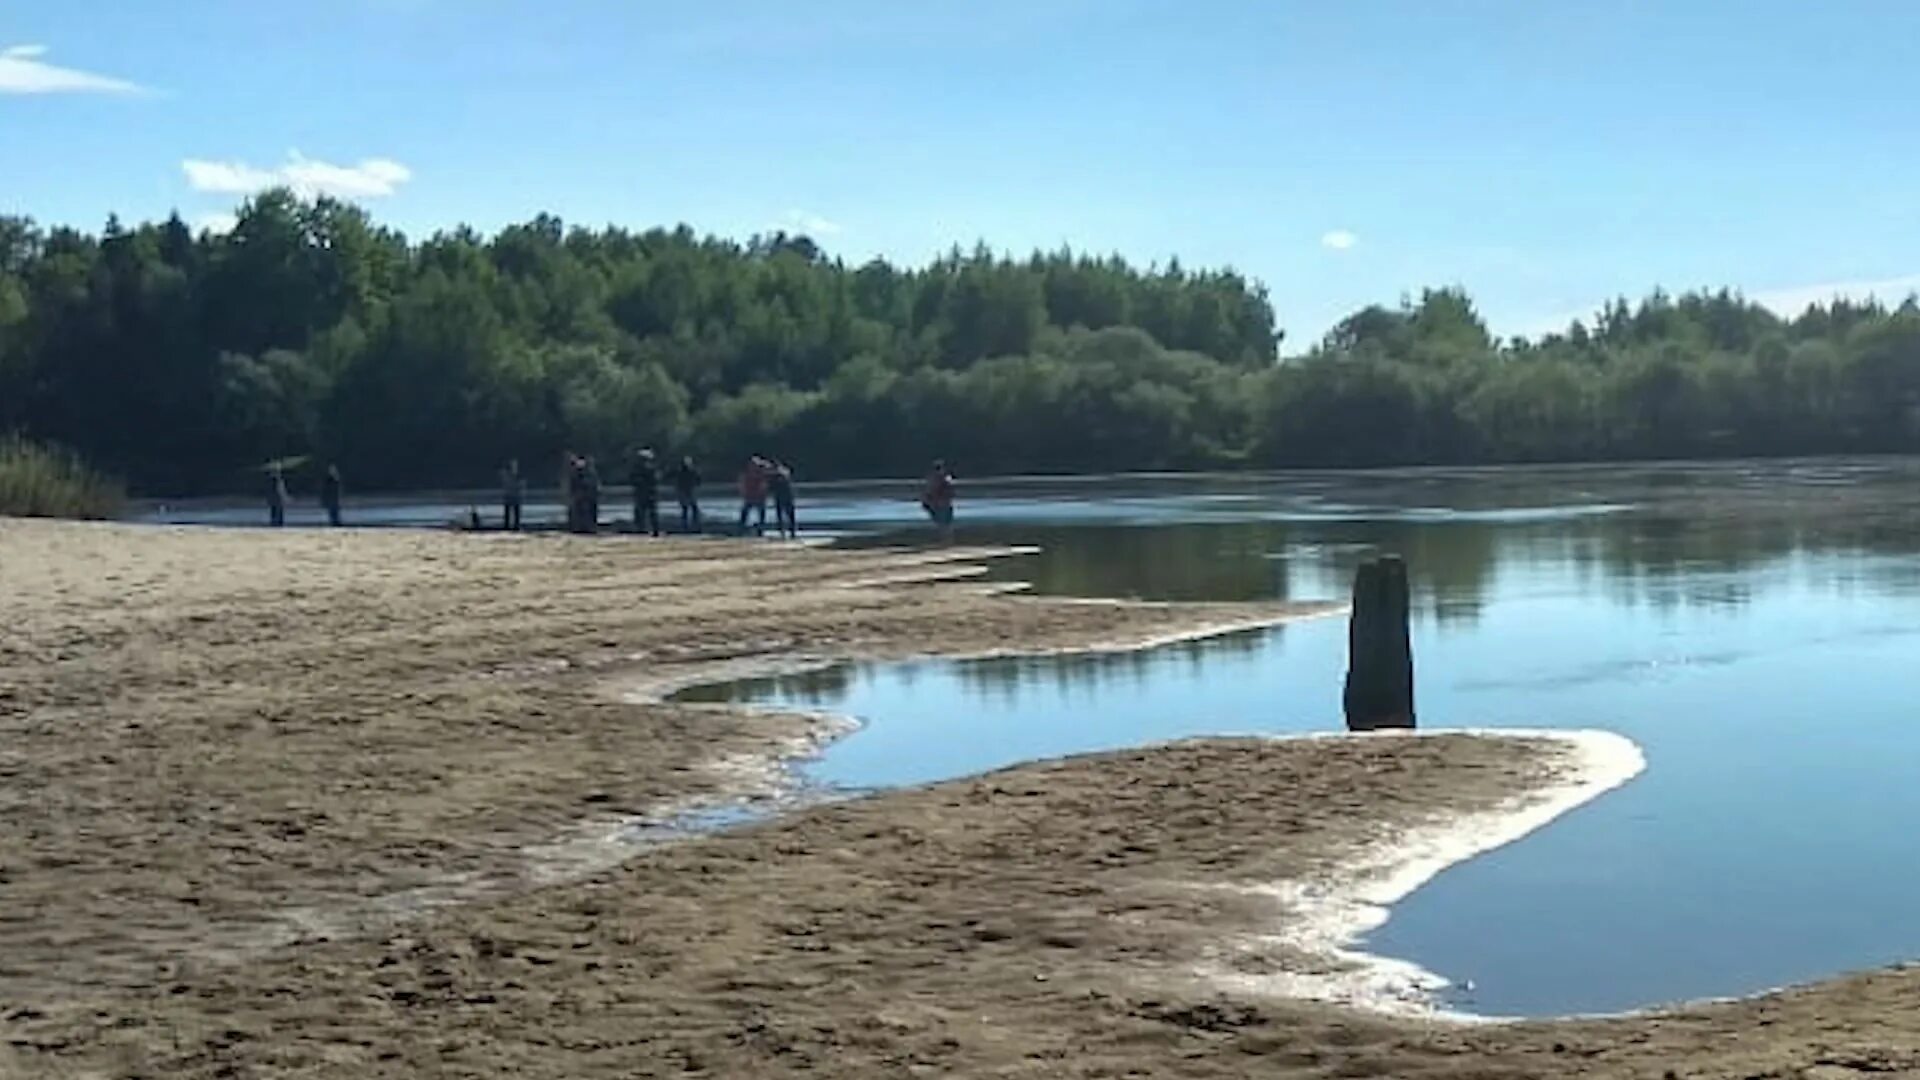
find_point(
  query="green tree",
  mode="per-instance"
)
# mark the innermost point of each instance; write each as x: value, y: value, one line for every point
x: 180, y: 360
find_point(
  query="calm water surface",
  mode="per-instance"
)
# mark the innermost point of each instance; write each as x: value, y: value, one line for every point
x: 1754, y: 628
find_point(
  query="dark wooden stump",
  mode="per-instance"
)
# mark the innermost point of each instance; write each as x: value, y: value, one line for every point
x: 1379, y: 692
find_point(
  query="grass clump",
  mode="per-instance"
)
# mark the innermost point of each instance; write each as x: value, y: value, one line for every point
x: 45, y: 481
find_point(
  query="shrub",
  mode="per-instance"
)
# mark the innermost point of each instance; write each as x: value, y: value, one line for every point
x: 42, y: 481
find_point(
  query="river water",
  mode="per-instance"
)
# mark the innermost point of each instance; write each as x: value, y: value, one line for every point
x: 1754, y: 627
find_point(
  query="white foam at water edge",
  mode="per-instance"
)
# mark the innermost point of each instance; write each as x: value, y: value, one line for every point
x: 1326, y: 917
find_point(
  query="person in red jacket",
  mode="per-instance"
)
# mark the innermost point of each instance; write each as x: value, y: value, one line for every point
x: 753, y: 495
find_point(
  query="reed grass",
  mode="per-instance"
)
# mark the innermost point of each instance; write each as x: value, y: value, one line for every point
x: 45, y: 481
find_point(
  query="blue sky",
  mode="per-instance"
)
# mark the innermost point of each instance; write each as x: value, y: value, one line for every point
x: 1545, y: 154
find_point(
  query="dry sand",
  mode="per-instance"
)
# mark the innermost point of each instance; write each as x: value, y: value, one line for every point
x: 286, y: 804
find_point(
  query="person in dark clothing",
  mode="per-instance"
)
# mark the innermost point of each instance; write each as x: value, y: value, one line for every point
x: 937, y: 497
x: 686, y: 487
x: 276, y: 496
x: 780, y: 484
x: 590, y: 508
x: 570, y: 481
x: 330, y: 494
x: 753, y: 495
x: 583, y: 495
x: 513, y: 492
x: 644, y: 477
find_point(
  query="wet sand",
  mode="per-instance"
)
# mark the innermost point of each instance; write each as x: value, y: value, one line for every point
x: 288, y: 804
x: 212, y: 741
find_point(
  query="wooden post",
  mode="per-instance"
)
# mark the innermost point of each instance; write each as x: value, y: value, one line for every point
x: 1379, y: 690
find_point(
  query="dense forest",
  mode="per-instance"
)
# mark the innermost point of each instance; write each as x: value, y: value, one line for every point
x: 182, y: 361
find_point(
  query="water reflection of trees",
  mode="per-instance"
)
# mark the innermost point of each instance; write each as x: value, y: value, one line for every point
x: 1153, y: 562
x: 1241, y: 561
x: 1687, y: 543
x: 823, y: 685
x: 1691, y: 537
x: 1671, y: 559
x: 1004, y: 678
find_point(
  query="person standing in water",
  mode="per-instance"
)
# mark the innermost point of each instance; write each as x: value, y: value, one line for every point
x: 331, y: 494
x: 276, y: 496
x: 590, y: 504
x: 644, y: 477
x: 780, y: 483
x: 513, y: 492
x: 570, y: 480
x: 583, y: 494
x: 937, y: 498
x: 753, y: 495
x: 686, y: 487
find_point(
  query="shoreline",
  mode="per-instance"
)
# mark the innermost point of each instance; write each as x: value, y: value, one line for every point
x: 1331, y: 916
x: 638, y: 688
x: 1042, y: 913
x: 455, y: 687
x: 768, y: 781
x: 490, y: 496
x: 190, y: 755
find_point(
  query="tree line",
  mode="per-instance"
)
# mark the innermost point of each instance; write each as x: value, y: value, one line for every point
x: 182, y: 361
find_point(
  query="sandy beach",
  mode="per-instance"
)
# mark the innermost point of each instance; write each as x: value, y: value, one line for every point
x: 336, y: 804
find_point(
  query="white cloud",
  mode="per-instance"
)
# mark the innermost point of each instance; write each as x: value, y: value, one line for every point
x: 370, y: 179
x: 807, y: 224
x: 218, y: 224
x: 1338, y: 240
x: 227, y: 177
x: 23, y: 71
